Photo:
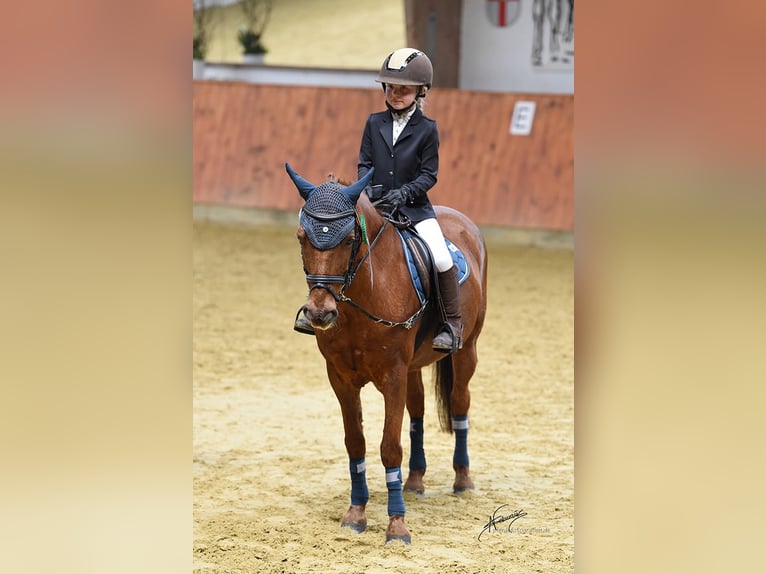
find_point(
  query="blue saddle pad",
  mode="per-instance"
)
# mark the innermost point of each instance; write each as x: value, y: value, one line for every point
x: 463, y: 270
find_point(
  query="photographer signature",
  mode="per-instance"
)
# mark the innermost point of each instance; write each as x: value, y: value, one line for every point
x: 494, y: 520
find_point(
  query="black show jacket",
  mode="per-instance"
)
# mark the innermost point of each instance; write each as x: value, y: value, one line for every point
x: 414, y: 159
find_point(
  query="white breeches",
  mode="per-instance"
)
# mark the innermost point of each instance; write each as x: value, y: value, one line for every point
x: 430, y: 231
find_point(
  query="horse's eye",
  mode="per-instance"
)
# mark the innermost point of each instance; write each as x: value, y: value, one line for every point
x: 348, y: 242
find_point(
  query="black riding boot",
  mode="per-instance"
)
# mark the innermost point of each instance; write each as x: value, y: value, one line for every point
x: 450, y: 336
x: 302, y: 324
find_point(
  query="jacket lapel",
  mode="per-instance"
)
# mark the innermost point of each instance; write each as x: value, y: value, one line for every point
x: 387, y: 132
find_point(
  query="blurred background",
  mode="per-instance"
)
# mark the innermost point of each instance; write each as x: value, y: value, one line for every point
x: 335, y: 34
x: 292, y: 80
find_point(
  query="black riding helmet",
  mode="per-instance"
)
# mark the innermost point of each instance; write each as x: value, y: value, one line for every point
x: 407, y: 67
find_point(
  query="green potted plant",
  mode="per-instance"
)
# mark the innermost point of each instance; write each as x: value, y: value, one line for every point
x: 202, y: 23
x: 251, y: 45
x: 198, y: 48
x: 256, y: 15
x: 198, y: 57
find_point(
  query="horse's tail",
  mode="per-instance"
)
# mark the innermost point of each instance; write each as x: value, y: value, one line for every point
x: 443, y: 383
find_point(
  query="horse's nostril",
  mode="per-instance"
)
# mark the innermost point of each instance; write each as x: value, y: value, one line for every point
x: 328, y: 317
x: 322, y: 317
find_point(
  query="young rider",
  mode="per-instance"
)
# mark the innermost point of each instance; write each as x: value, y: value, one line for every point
x: 402, y: 145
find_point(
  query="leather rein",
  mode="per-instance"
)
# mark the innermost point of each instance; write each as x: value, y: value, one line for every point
x: 319, y: 281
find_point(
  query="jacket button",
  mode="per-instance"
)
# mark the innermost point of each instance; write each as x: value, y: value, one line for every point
x: 390, y: 173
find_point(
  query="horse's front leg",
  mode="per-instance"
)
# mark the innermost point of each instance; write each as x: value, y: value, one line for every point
x: 416, y: 408
x: 351, y: 409
x: 394, y: 394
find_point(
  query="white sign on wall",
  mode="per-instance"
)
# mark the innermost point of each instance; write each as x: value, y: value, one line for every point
x: 523, y: 116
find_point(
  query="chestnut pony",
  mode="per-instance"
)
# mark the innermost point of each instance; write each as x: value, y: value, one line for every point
x: 370, y: 325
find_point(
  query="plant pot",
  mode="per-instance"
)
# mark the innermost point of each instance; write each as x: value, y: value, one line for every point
x: 198, y: 69
x: 252, y: 59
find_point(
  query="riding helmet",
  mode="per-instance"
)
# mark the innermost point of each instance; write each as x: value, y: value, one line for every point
x: 408, y: 67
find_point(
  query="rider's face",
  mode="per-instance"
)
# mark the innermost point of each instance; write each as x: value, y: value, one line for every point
x: 400, y: 97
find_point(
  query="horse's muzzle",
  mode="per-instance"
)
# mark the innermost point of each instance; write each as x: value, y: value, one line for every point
x: 321, y: 319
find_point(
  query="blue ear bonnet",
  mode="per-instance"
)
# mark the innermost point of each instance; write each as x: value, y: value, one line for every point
x: 328, y: 216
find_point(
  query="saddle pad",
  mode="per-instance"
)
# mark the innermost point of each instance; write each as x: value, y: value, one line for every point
x: 458, y: 259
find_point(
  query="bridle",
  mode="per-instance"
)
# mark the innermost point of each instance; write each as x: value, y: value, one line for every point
x: 321, y: 281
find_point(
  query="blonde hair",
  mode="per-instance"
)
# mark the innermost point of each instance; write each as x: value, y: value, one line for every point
x: 421, y: 102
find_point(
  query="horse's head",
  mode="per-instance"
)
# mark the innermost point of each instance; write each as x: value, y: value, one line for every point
x: 329, y: 242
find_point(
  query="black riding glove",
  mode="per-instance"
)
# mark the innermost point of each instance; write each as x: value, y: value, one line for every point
x: 398, y: 197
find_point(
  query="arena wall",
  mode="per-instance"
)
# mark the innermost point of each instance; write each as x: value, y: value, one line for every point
x: 244, y: 133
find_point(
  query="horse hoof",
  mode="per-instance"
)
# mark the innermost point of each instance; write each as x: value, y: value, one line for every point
x: 403, y: 537
x: 357, y: 527
x: 463, y: 480
x: 415, y: 482
x: 397, y: 530
x: 355, y: 519
x: 419, y: 492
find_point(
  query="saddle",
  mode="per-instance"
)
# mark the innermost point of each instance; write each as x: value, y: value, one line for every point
x: 423, y: 274
x: 420, y: 263
x: 419, y: 260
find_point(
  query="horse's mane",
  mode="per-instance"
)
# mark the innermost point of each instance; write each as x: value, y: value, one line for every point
x: 332, y: 178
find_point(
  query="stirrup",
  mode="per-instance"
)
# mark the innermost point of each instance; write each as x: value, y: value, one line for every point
x: 303, y: 325
x: 455, y: 343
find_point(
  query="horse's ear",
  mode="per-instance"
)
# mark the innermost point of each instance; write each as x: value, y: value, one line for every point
x: 305, y: 187
x: 354, y: 190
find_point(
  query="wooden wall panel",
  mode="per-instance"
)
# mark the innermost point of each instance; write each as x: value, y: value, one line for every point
x: 244, y: 133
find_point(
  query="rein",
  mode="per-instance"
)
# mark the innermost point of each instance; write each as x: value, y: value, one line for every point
x: 318, y: 281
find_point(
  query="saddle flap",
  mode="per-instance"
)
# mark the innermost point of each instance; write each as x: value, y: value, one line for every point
x: 420, y: 262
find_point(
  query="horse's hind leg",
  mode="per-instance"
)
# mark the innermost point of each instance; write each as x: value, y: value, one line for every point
x: 351, y: 408
x: 416, y: 408
x: 464, y: 365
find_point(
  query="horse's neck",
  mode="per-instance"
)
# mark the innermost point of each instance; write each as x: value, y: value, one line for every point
x: 381, y: 235
x: 373, y: 220
x: 380, y: 286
